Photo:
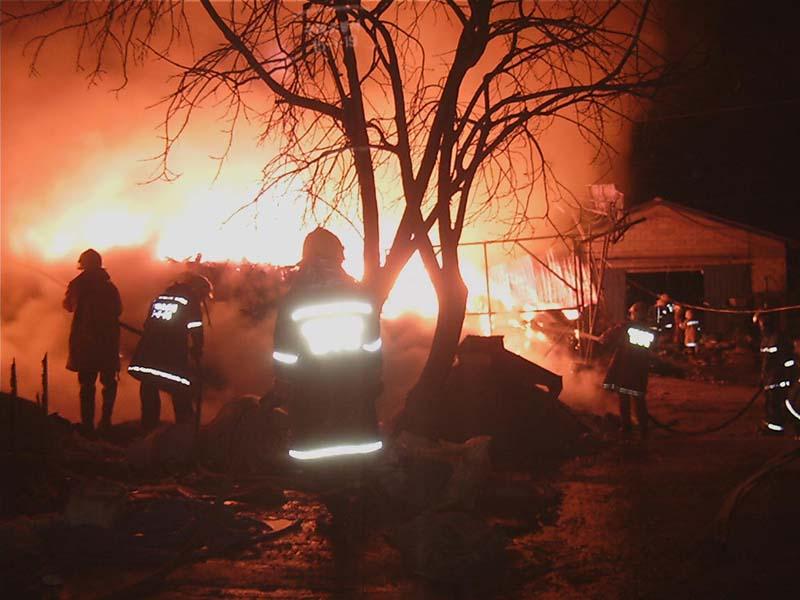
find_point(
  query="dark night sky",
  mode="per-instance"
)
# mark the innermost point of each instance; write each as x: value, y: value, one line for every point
x: 724, y: 139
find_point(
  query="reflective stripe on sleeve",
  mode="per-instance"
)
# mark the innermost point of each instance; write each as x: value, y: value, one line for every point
x: 194, y: 324
x: 286, y: 358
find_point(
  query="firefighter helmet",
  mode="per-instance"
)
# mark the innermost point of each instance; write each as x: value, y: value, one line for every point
x: 321, y: 244
x: 90, y: 259
x: 637, y: 311
x: 199, y: 284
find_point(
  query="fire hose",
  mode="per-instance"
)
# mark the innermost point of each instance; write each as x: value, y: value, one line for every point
x: 706, y: 430
x: 675, y: 430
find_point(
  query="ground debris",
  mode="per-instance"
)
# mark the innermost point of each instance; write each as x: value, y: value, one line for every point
x: 450, y: 547
x: 246, y: 436
x: 169, y: 447
x: 95, y: 502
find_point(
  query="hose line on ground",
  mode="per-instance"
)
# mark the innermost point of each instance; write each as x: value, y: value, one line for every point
x: 714, y: 429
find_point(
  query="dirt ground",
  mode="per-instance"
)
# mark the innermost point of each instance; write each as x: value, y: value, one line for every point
x: 632, y: 520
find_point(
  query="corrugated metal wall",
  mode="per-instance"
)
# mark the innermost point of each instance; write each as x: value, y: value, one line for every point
x: 721, y: 282
x: 614, y: 295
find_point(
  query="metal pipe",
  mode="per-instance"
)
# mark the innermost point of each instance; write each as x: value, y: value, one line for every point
x: 488, y: 288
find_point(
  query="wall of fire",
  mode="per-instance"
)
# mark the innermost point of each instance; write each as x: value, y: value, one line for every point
x: 741, y: 266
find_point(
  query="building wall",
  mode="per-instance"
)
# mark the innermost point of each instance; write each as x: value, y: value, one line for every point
x: 670, y: 239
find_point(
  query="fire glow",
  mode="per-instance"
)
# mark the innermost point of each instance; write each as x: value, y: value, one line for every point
x: 198, y: 224
x: 197, y: 217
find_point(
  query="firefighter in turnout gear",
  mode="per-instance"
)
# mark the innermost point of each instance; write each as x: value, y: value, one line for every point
x: 327, y: 364
x: 793, y: 399
x: 691, y: 331
x: 778, y: 371
x: 665, y: 318
x: 327, y: 357
x: 173, y: 334
x: 94, y: 336
x: 629, y: 368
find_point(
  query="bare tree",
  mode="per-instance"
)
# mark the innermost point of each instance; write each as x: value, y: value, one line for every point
x: 352, y: 95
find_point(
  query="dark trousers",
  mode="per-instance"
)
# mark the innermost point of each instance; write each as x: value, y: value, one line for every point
x: 87, y: 380
x: 151, y: 406
x: 640, y: 403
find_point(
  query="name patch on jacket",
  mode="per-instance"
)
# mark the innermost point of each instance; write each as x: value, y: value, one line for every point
x: 166, y: 306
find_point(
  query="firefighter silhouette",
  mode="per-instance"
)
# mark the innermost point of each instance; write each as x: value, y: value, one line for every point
x: 629, y: 368
x: 327, y: 356
x: 167, y: 357
x: 778, y: 371
x: 94, y: 336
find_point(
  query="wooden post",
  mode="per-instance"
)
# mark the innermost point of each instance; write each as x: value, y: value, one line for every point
x: 13, y: 420
x: 14, y: 377
x: 45, y: 394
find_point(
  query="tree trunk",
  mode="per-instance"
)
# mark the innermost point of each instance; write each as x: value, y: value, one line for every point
x: 423, y: 401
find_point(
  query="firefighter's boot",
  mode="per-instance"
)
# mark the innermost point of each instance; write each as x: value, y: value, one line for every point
x: 109, y: 398
x: 87, y: 407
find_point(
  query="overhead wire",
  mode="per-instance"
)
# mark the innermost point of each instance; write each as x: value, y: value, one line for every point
x: 712, y: 309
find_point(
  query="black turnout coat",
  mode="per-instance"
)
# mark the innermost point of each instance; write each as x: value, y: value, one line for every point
x: 162, y: 356
x: 94, y: 334
x: 330, y: 397
x: 629, y: 368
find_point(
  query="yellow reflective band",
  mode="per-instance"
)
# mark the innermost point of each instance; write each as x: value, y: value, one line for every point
x: 164, y: 374
x: 770, y: 349
x: 333, y: 308
x: 640, y: 337
x: 336, y: 451
x: 194, y: 324
x: 373, y: 346
x: 333, y: 333
x: 285, y: 357
x: 180, y: 299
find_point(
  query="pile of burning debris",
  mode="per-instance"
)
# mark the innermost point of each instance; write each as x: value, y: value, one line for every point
x: 254, y: 287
